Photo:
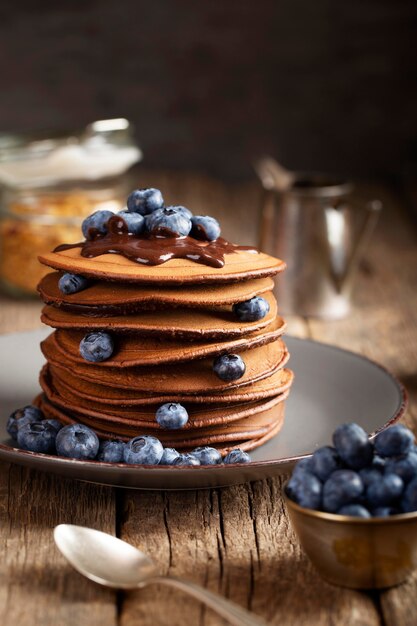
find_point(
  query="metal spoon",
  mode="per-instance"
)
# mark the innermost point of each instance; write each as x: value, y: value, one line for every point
x: 114, y: 563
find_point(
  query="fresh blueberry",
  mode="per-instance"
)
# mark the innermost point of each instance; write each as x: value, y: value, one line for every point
x: 26, y: 415
x: 378, y: 462
x: 409, y: 500
x: 37, y: 437
x: 144, y: 450
x: 303, y: 465
x: 394, y: 441
x: 305, y: 489
x: 207, y: 455
x: 353, y: 445
x: 405, y: 467
x: 110, y: 451
x: 168, y: 456
x: 205, y: 227
x: 354, y: 510
x: 145, y: 201
x: 77, y: 441
x: 55, y: 424
x: 186, y: 459
x: 183, y: 210
x: 170, y: 221
x: 251, y: 310
x: 237, y: 456
x: 171, y: 415
x: 385, y: 491
x: 229, y: 367
x: 72, y: 283
x: 342, y: 488
x: 96, y: 223
x: 384, y: 511
x: 96, y: 347
x: 135, y: 222
x: 370, y: 475
x: 324, y: 461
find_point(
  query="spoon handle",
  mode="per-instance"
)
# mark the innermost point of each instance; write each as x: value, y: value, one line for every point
x: 226, y: 608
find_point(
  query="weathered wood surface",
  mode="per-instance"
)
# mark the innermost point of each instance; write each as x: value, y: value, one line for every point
x: 234, y: 540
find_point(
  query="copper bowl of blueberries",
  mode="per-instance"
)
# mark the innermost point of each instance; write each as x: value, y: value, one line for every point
x: 353, y: 506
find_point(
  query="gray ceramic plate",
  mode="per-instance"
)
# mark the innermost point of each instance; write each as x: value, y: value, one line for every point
x: 332, y: 386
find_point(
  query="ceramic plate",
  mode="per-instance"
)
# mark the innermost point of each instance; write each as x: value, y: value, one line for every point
x: 332, y: 386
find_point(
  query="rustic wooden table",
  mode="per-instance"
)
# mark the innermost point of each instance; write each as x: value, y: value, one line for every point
x: 237, y: 540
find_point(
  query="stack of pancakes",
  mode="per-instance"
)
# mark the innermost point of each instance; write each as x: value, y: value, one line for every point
x: 169, y: 322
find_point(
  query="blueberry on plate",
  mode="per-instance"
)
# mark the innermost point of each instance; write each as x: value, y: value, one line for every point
x: 385, y: 491
x: 77, y: 441
x: 251, y: 310
x: 305, y: 489
x: 135, y: 222
x: 96, y: 223
x: 55, y: 424
x: 409, y: 500
x: 146, y: 450
x: 96, y: 347
x: 168, y: 456
x: 110, y: 451
x: 20, y: 417
x: 205, y: 228
x: 207, y: 455
x: 405, y: 467
x: 186, y: 459
x: 354, y: 510
x: 353, y: 446
x: 229, y: 367
x: 145, y: 201
x: 72, y: 283
x: 37, y: 437
x: 168, y: 222
x: 394, y: 441
x: 171, y: 416
x: 236, y: 456
x: 324, y: 461
x: 341, y: 488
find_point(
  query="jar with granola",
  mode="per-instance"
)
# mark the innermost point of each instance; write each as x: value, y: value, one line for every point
x: 49, y: 185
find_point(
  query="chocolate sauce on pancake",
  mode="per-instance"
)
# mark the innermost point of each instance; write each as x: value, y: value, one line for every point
x: 153, y: 249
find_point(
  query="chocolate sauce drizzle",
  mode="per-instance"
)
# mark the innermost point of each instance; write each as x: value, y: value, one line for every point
x: 153, y: 249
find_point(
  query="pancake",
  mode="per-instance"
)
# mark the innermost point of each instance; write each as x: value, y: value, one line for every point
x: 188, y: 378
x: 132, y: 349
x: 213, y: 323
x: 71, y: 386
x: 265, y: 421
x: 107, y: 298
x: 239, y: 265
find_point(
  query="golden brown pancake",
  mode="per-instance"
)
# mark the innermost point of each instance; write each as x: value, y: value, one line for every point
x: 215, y: 323
x: 110, y: 298
x: 70, y: 385
x: 193, y: 377
x: 132, y: 349
x: 239, y: 265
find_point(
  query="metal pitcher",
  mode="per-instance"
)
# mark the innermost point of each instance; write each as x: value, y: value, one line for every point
x: 314, y: 226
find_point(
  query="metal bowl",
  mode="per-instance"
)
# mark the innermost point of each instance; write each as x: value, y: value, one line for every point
x: 357, y: 553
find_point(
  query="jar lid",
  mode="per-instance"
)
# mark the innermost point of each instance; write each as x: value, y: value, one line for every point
x: 104, y: 148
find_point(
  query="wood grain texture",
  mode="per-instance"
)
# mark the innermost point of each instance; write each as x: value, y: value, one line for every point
x: 237, y: 540
x: 37, y: 585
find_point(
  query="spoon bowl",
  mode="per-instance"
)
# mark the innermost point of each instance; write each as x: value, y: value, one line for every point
x: 114, y: 563
x: 103, y: 558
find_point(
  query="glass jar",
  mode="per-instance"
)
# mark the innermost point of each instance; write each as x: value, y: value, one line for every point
x: 49, y: 185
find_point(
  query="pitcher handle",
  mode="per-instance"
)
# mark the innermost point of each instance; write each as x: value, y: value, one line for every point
x: 373, y: 211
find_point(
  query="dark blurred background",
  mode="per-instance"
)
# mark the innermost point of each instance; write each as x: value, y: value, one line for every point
x: 321, y: 85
